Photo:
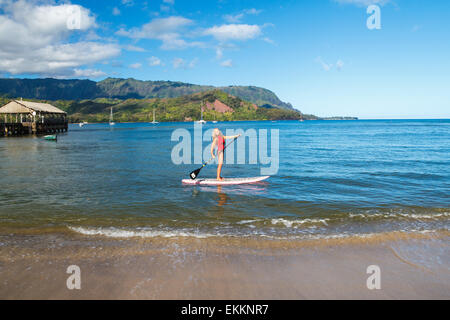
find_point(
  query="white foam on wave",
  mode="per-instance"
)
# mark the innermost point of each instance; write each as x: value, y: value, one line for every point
x: 290, y: 223
x: 415, y: 216
x: 425, y: 216
x: 121, y: 233
x: 128, y: 234
x: 342, y: 235
x: 320, y: 237
x: 247, y: 221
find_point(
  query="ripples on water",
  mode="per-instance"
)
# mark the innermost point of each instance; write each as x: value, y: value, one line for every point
x: 336, y: 178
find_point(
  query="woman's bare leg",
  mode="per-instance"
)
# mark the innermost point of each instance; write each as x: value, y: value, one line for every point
x: 219, y: 167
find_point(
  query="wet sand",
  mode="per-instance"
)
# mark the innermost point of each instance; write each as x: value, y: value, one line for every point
x: 413, y: 267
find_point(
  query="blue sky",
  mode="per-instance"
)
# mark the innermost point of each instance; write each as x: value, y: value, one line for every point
x: 318, y: 55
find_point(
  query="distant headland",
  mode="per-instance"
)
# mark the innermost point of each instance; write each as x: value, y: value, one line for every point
x: 134, y: 100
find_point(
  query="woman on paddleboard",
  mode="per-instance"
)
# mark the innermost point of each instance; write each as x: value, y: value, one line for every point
x: 219, y: 141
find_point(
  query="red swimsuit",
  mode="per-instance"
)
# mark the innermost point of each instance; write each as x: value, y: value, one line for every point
x: 220, y: 144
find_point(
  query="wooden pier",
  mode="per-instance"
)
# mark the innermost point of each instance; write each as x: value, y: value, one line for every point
x: 27, y: 128
x: 23, y: 118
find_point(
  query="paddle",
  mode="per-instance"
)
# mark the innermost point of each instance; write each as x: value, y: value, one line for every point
x: 194, y: 174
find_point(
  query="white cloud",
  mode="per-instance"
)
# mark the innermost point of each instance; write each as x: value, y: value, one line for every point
x: 135, y: 48
x: 56, y: 59
x: 166, y: 30
x: 252, y: 11
x: 35, y: 37
x: 128, y: 3
x: 135, y: 66
x: 178, y: 63
x: 181, y: 63
x: 92, y: 36
x: 157, y: 28
x: 219, y: 53
x: 154, y: 61
x: 88, y: 73
x: 363, y: 3
x: 236, y: 18
x: 329, y: 66
x: 325, y: 66
x: 221, y: 47
x: 240, y: 32
x: 23, y: 21
x: 193, y: 63
x: 233, y: 18
x: 227, y: 63
x: 164, y: 8
x: 116, y: 11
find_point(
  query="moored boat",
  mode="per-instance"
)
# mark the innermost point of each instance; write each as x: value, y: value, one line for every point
x: 52, y: 137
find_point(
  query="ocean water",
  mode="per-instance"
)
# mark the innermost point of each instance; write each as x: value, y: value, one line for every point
x: 336, y: 179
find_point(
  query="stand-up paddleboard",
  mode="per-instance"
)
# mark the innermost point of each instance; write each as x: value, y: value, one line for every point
x: 225, y: 182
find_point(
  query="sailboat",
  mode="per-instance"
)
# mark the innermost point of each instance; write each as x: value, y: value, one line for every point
x: 111, y: 118
x: 202, y: 121
x: 215, y: 121
x: 154, y: 118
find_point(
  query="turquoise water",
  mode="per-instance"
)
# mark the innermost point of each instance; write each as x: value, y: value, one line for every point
x: 335, y: 178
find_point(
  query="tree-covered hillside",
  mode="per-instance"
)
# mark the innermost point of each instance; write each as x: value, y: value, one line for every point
x: 184, y: 108
x: 49, y: 89
x: 54, y: 89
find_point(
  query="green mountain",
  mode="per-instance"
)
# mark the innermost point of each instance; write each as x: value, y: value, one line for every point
x: 49, y: 89
x: 218, y: 105
x: 112, y: 88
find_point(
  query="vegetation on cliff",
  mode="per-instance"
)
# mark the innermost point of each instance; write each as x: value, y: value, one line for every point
x: 124, y: 89
x: 185, y: 108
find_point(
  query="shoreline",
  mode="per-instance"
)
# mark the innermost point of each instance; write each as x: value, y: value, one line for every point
x: 413, y: 267
x: 293, y: 120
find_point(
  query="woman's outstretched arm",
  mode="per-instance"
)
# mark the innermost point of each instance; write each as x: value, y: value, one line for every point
x: 232, y: 137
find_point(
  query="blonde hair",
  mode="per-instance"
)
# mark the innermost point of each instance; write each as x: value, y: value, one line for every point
x: 216, y: 133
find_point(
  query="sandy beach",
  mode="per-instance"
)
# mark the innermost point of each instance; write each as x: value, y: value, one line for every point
x: 412, y: 267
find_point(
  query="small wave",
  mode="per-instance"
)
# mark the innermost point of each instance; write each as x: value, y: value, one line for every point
x: 290, y: 223
x: 392, y: 235
x: 130, y: 234
x: 121, y: 233
x: 247, y: 221
x: 414, y: 216
x: 339, y: 219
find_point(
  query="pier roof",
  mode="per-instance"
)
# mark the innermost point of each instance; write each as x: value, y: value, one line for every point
x: 17, y: 106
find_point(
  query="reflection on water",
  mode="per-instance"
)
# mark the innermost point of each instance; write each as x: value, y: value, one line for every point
x: 222, y: 197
